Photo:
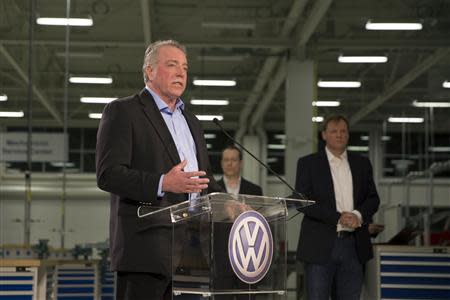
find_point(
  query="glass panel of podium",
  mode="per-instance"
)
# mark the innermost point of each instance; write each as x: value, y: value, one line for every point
x: 229, y: 246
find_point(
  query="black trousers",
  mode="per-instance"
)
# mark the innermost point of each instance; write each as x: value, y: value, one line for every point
x: 142, y: 286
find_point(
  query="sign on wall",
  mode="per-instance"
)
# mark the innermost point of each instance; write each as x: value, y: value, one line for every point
x: 46, y: 147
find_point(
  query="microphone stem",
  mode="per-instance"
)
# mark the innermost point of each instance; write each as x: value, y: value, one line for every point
x: 251, y: 154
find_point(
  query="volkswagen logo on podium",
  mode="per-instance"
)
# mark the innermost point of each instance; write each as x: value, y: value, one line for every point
x: 250, y: 247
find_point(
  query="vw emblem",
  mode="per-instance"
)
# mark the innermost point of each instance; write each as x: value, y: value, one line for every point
x: 250, y: 247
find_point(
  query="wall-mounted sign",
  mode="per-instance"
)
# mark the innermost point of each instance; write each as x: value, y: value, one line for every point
x: 46, y: 147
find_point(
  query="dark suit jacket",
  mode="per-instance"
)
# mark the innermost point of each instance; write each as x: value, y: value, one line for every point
x: 318, y: 231
x: 134, y: 148
x: 246, y: 188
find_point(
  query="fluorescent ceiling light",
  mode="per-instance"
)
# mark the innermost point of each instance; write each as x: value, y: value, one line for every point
x: 95, y: 115
x: 209, y: 117
x: 3, y: 97
x: 209, y: 136
x: 439, y: 149
x: 91, y: 80
x: 272, y: 160
x: 404, y: 120
x: 417, y: 103
x: 384, y: 138
x: 11, y: 114
x: 338, y: 84
x: 446, y: 84
x: 317, y: 119
x: 209, y: 102
x: 326, y: 103
x: 358, y: 148
x: 393, y: 26
x: 280, y: 136
x: 97, y: 99
x: 363, y: 59
x: 208, y: 146
x: 276, y: 146
x: 228, y: 25
x: 65, y: 21
x: 209, y: 82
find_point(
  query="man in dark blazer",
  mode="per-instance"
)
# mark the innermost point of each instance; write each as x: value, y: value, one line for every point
x: 232, y: 181
x: 334, y: 239
x: 150, y: 151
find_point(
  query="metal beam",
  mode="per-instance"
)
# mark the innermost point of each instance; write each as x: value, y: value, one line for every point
x: 44, y: 101
x: 247, y: 43
x: 146, y: 22
x: 317, y: 13
x: 268, y: 67
x: 399, y: 84
x: 357, y: 43
x: 272, y: 89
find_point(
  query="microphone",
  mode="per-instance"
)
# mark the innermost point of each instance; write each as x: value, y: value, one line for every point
x: 295, y: 192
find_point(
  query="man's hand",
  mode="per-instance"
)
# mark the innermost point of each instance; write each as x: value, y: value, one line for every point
x: 178, y: 181
x: 349, y: 219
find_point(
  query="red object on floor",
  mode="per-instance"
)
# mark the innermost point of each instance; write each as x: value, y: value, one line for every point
x: 440, y: 238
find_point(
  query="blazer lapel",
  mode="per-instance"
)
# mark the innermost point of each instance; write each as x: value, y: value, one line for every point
x: 154, y: 116
x: 326, y: 177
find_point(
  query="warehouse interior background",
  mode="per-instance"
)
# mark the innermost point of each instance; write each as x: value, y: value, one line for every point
x: 280, y: 56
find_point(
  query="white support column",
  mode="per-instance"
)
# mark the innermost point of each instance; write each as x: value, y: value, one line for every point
x: 300, y: 131
x: 250, y: 170
x: 376, y: 149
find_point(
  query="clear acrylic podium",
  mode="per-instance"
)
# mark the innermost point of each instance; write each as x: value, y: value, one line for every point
x: 223, y: 249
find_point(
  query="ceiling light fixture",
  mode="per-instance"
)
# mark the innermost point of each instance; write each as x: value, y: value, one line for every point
x: 3, y: 97
x: 209, y: 102
x: 209, y: 117
x: 317, y: 119
x: 97, y: 99
x: 362, y: 59
x: 393, y: 26
x: 446, y: 84
x: 65, y: 21
x: 338, y: 84
x: 439, y: 149
x: 326, y: 103
x: 276, y: 146
x: 91, y: 80
x: 209, y: 136
x: 404, y: 120
x: 95, y: 115
x: 384, y: 138
x: 11, y: 114
x: 417, y: 103
x: 210, y: 82
x: 358, y: 148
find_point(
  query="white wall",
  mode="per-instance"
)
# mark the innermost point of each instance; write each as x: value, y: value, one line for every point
x: 87, y: 208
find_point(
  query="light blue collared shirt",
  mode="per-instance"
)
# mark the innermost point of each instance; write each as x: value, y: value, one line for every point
x: 181, y: 134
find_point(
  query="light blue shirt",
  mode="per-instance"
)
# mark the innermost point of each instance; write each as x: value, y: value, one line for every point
x: 181, y: 134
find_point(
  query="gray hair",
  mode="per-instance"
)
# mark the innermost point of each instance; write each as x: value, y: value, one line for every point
x: 151, y: 54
